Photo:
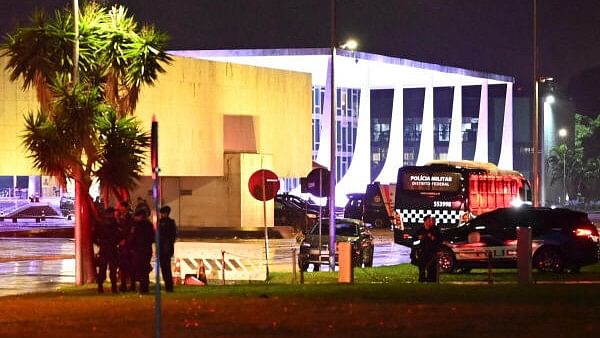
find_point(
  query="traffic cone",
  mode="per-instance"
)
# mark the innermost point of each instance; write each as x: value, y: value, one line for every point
x: 200, y: 277
x: 177, y: 280
x: 201, y: 272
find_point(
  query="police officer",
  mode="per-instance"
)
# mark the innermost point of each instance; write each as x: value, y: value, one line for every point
x: 167, y: 232
x: 430, y: 239
x: 142, y: 237
x: 125, y: 225
x: 106, y: 236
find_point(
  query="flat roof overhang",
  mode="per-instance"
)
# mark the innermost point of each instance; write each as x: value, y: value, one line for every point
x: 383, y: 71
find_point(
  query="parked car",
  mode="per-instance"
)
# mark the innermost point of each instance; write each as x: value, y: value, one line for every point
x: 373, y: 212
x: 562, y: 239
x: 294, y: 211
x: 67, y: 205
x: 373, y: 206
x: 314, y: 248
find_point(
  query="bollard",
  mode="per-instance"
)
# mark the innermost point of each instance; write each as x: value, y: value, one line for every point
x: 489, y: 258
x: 524, y: 255
x: 346, y: 271
x: 301, y: 272
x: 294, y: 266
x: 223, y: 267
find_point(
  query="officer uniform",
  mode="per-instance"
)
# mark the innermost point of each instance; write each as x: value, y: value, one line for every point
x: 142, y: 237
x: 106, y: 236
x: 430, y: 240
x: 167, y: 234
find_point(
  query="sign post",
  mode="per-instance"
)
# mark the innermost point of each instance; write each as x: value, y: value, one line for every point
x: 156, y: 197
x: 263, y: 186
x: 317, y: 184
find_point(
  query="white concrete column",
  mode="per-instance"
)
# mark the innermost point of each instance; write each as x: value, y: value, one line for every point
x: 481, y: 147
x: 34, y: 186
x: 395, y: 154
x: 426, y: 147
x: 358, y: 175
x: 506, y: 148
x: 455, y: 144
x: 323, y: 154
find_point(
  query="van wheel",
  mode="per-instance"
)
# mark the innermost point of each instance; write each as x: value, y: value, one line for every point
x: 446, y: 260
x: 548, y: 260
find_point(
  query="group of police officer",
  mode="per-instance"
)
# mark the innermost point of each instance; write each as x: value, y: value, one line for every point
x: 125, y: 242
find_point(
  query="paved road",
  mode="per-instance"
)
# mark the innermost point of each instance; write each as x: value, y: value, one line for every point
x: 42, y: 264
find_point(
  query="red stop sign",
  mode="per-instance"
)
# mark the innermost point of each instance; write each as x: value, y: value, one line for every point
x: 263, y: 179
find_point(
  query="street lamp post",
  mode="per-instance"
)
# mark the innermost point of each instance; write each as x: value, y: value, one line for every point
x: 547, y: 123
x: 333, y: 145
x: 535, y: 132
x: 562, y: 132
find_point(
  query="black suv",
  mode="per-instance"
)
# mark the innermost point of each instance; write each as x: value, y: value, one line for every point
x: 294, y: 211
x: 315, y: 250
x: 562, y: 239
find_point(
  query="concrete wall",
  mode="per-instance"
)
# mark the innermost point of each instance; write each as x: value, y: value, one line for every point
x: 204, y: 109
x: 193, y: 102
x: 196, y: 100
x: 222, y: 201
x: 14, y: 104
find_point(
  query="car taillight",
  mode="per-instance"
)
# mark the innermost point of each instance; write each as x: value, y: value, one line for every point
x: 581, y: 232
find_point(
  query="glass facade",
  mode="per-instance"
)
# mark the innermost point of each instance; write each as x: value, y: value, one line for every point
x: 348, y: 100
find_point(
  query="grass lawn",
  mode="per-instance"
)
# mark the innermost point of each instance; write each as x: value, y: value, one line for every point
x: 383, y: 302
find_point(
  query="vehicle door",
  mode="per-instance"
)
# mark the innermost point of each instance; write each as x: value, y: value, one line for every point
x: 488, y: 237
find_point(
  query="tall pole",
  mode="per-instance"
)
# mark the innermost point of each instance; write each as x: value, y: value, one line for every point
x: 264, y: 203
x: 332, y: 161
x: 535, y: 132
x: 79, y: 274
x: 76, y: 44
x: 156, y: 195
x: 565, y: 174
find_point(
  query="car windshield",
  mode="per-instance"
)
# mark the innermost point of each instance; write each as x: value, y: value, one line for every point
x: 342, y: 229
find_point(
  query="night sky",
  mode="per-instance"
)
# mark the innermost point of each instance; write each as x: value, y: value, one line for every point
x: 485, y: 35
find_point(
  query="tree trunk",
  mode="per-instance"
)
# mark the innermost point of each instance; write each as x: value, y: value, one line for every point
x: 85, y: 266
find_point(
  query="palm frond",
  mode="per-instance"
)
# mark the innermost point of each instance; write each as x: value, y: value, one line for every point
x: 124, y: 146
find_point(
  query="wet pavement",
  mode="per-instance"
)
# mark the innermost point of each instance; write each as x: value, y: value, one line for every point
x: 45, y: 264
x: 35, y: 264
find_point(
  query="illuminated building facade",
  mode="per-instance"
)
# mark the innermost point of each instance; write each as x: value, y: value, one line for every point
x: 421, y: 124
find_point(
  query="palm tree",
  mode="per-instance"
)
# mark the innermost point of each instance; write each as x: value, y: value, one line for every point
x: 82, y: 128
x: 123, y: 144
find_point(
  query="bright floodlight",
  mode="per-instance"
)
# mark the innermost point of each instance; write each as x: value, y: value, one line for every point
x: 351, y: 44
x: 562, y: 132
x: 550, y: 99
